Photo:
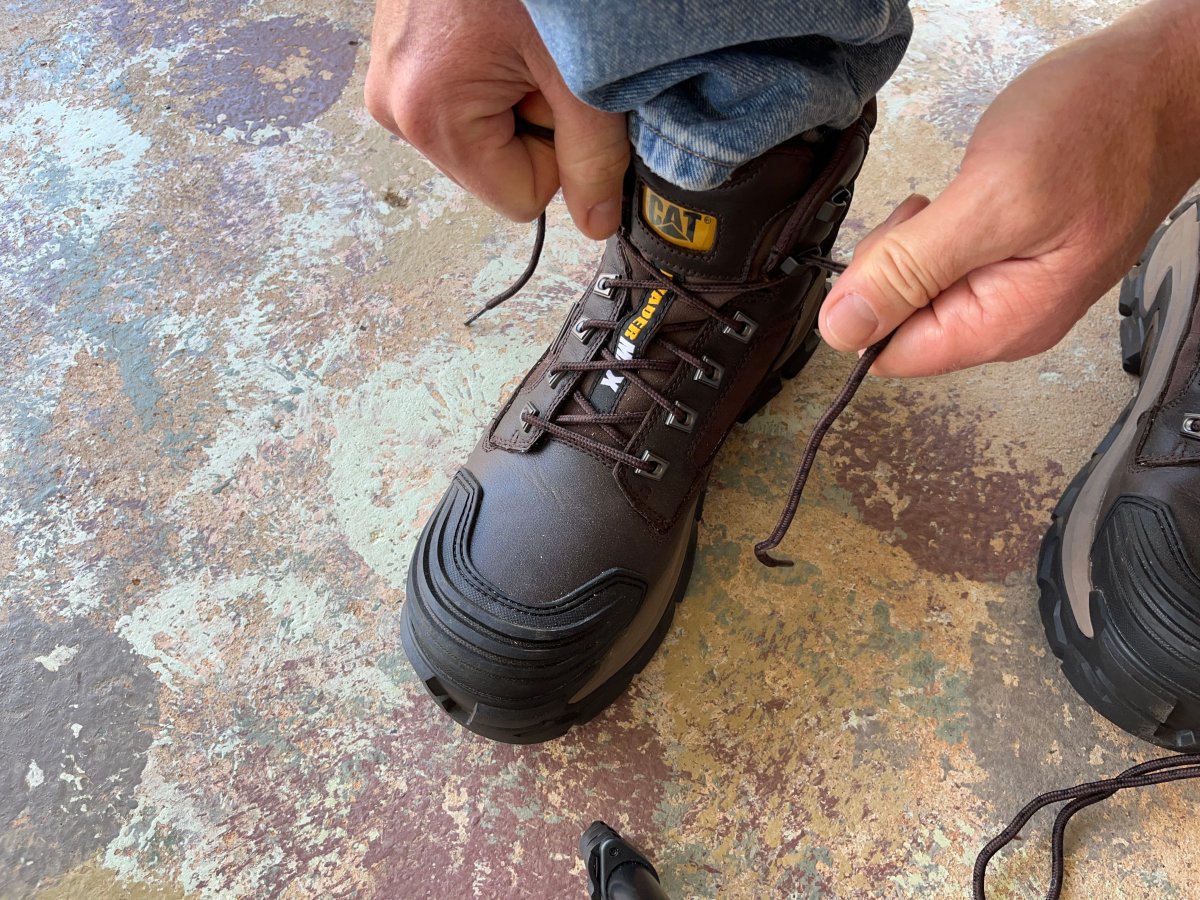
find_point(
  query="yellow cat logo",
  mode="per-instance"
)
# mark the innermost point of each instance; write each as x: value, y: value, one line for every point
x: 677, y: 225
x: 634, y: 328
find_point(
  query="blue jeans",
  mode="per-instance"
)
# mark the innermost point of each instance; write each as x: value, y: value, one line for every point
x: 711, y: 84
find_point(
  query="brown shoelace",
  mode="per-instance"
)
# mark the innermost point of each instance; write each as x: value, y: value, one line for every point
x: 560, y: 426
x: 1158, y: 771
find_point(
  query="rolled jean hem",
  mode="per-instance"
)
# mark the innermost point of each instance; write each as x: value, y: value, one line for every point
x: 681, y: 167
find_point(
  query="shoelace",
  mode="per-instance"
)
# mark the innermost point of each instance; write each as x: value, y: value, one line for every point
x: 609, y: 422
x: 1158, y: 771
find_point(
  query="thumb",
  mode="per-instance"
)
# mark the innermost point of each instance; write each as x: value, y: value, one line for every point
x: 592, y: 148
x: 900, y: 267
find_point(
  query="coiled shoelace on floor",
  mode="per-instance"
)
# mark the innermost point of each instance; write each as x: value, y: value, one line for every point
x: 1157, y: 771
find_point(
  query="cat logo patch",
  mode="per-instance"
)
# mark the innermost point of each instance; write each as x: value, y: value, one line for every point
x: 677, y: 225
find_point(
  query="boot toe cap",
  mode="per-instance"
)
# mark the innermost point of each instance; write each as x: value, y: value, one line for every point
x: 498, y: 664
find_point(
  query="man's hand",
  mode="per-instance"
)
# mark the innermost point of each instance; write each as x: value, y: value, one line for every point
x: 445, y: 75
x: 1063, y: 182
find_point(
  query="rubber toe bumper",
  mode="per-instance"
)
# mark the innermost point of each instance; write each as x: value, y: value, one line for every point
x: 502, y: 668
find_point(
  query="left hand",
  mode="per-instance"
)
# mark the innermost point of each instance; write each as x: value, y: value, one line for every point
x: 1064, y: 180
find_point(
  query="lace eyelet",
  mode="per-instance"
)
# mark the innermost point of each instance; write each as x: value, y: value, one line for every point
x: 712, y: 377
x: 579, y: 331
x: 529, y: 410
x: 1191, y: 426
x: 603, y: 286
x: 681, y: 417
x: 743, y: 334
x: 555, y: 378
x: 659, y: 466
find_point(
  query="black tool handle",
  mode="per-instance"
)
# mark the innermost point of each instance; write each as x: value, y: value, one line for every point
x: 616, y: 871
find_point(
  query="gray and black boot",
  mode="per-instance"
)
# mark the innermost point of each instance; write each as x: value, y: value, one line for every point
x: 546, y: 577
x: 1120, y: 567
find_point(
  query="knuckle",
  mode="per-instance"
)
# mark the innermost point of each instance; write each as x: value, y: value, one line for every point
x: 413, y: 110
x: 524, y: 214
x: 515, y: 205
x: 401, y: 104
x: 1011, y: 333
x: 375, y: 100
x: 519, y: 209
x: 401, y: 99
x: 900, y: 272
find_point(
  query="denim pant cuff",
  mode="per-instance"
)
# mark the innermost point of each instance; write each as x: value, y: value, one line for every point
x: 675, y: 163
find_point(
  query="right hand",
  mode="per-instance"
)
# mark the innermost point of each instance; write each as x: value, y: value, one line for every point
x: 446, y: 75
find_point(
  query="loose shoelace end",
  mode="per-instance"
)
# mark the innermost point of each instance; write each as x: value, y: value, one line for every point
x: 771, y: 562
x: 800, y: 479
x: 538, y: 240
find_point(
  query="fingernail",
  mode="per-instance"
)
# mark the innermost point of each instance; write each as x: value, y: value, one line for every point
x: 604, y: 217
x: 851, y: 322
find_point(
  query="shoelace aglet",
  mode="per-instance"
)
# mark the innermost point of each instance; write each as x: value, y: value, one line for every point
x: 771, y: 562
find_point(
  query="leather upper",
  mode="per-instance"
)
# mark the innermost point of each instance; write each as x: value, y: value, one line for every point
x: 550, y: 566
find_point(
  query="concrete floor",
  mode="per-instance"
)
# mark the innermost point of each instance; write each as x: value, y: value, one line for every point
x: 235, y: 383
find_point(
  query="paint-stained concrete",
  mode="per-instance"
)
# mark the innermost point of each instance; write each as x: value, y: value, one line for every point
x: 234, y: 385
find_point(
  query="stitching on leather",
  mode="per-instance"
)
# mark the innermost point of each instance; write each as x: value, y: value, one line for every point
x: 1152, y: 416
x: 830, y: 175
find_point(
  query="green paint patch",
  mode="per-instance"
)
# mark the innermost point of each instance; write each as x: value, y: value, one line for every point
x: 396, y: 667
x: 814, y: 867
x: 928, y: 687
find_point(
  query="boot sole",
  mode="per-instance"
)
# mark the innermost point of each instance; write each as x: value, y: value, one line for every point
x: 1103, y: 668
x: 558, y: 721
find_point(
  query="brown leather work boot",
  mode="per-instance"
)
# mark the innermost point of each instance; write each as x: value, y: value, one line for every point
x: 547, y: 576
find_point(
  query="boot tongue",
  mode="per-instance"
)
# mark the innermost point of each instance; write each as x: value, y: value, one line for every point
x: 721, y: 234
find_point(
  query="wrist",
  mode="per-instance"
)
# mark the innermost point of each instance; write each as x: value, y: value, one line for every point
x: 1166, y: 34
